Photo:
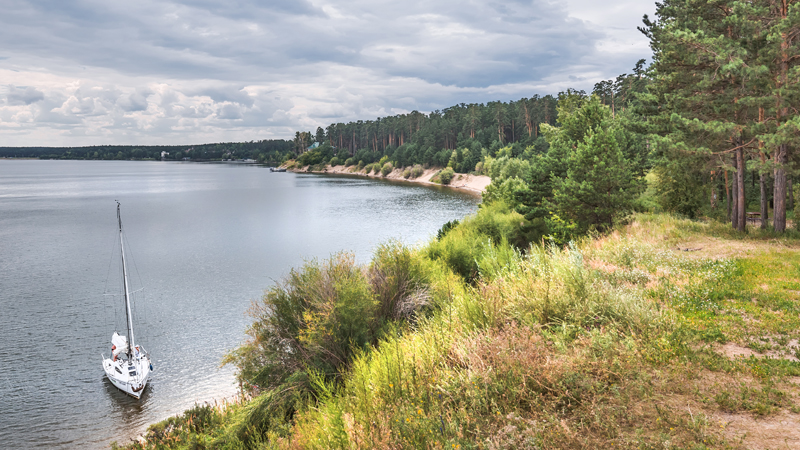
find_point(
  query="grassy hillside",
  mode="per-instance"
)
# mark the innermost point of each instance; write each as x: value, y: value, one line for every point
x: 664, y: 333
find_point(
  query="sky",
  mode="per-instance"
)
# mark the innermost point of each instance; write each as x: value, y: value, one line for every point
x: 92, y: 72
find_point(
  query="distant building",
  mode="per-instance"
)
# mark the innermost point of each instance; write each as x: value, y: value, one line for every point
x: 312, y: 146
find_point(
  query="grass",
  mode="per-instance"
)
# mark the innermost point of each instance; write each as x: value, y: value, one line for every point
x: 620, y: 341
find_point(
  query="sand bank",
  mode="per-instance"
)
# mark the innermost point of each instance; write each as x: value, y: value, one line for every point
x: 469, y: 182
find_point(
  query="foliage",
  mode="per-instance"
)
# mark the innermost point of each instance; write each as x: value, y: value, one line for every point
x: 603, y: 343
x: 449, y: 225
x: 600, y: 187
x: 587, y: 179
x: 416, y: 171
x: 314, y: 320
x: 446, y: 175
x: 386, y: 169
x: 460, y: 247
x: 721, y: 97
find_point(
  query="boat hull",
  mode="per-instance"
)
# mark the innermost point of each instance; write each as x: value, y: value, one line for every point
x: 130, y: 377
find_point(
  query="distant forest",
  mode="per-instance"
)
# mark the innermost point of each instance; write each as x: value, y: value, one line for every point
x: 461, y: 136
x: 273, y: 150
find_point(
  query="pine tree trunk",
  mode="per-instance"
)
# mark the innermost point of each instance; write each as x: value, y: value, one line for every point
x: 713, y: 197
x: 779, y: 190
x: 741, y: 202
x: 764, y: 202
x: 735, y: 198
x: 790, y: 193
x: 727, y: 196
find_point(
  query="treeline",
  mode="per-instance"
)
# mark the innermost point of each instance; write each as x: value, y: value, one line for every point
x: 430, y: 139
x: 273, y: 150
x: 418, y: 138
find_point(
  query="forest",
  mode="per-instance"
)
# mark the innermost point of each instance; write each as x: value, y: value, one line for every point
x: 266, y: 151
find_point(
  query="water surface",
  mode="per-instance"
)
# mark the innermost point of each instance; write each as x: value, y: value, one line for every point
x: 205, y: 240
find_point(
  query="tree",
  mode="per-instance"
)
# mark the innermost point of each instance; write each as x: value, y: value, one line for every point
x: 320, y: 135
x: 705, y: 86
x: 585, y: 177
x: 599, y: 187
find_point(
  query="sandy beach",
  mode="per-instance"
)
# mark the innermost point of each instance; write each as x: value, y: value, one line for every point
x: 469, y: 182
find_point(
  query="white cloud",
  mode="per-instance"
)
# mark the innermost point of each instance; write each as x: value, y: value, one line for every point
x: 175, y: 71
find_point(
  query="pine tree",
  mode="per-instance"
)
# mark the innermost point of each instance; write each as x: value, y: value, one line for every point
x: 599, y: 187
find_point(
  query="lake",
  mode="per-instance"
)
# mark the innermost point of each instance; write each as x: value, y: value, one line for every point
x: 204, y: 240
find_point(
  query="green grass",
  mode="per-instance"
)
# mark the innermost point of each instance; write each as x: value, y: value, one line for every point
x: 611, y: 342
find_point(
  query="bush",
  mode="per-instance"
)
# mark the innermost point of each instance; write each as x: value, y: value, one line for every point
x: 334, y: 161
x: 350, y: 161
x: 400, y: 281
x: 445, y: 228
x: 386, y: 169
x: 407, y: 173
x: 360, y: 164
x: 462, y: 246
x: 479, y: 168
x: 446, y: 175
x: 376, y: 168
x: 417, y: 171
x: 314, y: 320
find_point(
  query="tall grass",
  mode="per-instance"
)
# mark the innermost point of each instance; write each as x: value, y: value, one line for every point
x: 479, y: 340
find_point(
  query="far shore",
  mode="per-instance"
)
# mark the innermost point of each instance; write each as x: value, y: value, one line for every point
x: 465, y: 181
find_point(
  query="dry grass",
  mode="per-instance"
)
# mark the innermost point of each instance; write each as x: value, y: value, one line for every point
x: 623, y: 341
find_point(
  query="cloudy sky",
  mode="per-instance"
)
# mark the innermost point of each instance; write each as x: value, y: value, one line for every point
x: 89, y: 72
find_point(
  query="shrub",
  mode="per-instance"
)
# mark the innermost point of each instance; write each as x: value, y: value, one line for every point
x: 376, y: 168
x: 350, y: 161
x: 334, y: 161
x: 314, y: 320
x: 445, y: 228
x: 461, y: 247
x: 417, y: 171
x: 479, y: 168
x: 446, y: 175
x: 399, y: 280
x: 386, y: 169
x: 360, y: 164
x: 407, y: 173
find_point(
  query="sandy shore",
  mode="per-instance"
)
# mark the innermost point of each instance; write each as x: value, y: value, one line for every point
x: 472, y: 183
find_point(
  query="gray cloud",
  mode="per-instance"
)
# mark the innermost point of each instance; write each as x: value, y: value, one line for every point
x: 23, y: 95
x: 160, y: 70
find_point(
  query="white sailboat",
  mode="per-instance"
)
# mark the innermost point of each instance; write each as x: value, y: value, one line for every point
x: 129, y: 366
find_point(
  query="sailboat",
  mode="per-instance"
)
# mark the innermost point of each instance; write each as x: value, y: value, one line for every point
x: 129, y: 366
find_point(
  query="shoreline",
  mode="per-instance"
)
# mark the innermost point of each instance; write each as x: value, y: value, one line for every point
x: 472, y: 183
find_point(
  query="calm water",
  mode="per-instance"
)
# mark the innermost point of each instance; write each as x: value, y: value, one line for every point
x: 206, y: 239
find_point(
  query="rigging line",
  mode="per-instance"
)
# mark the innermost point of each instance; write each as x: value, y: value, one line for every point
x: 138, y: 276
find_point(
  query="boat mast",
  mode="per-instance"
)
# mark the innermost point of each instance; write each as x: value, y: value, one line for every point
x: 128, y: 315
